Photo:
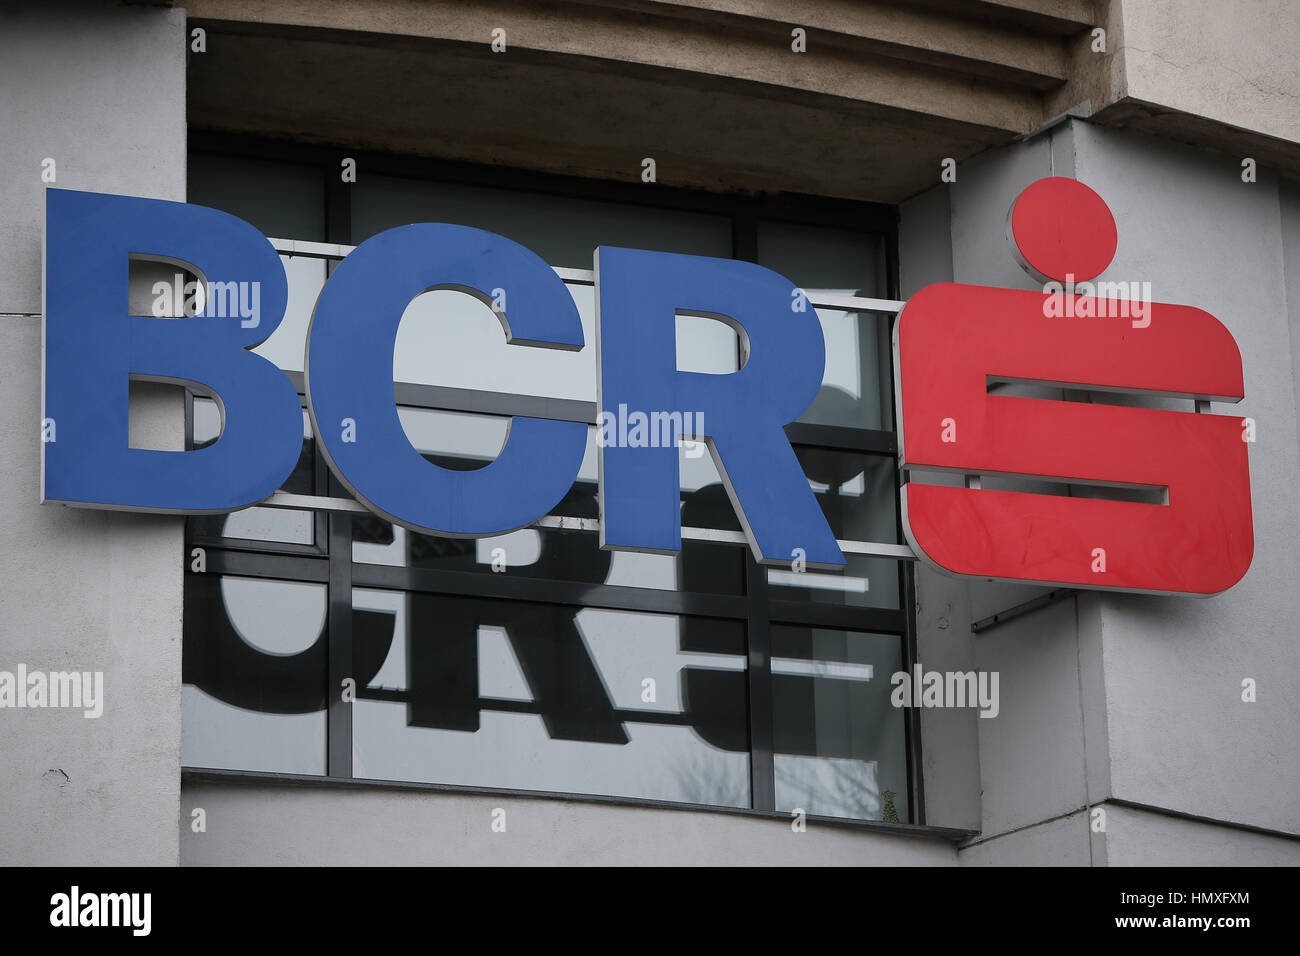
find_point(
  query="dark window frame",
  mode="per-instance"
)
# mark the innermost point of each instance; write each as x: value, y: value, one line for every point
x: 328, y: 559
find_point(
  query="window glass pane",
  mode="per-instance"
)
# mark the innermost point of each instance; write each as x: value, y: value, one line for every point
x: 706, y: 345
x: 821, y: 259
x: 840, y: 745
x: 856, y: 492
x: 562, y: 230
x: 288, y: 343
x: 462, y: 441
x: 855, y: 385
x: 453, y: 339
x: 537, y: 697
x: 254, y: 672
x: 855, y: 389
x: 283, y: 200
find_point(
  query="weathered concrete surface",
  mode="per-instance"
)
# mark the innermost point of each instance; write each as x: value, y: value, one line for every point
x: 99, y: 88
x: 256, y: 825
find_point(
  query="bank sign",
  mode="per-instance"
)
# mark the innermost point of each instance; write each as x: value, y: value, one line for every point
x: 954, y: 345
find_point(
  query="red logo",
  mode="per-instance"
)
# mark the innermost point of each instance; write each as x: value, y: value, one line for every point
x: 1187, y: 526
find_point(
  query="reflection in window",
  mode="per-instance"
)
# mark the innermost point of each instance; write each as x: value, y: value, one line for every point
x: 866, y: 582
x: 461, y: 441
x: 855, y: 491
x: 855, y: 390
x: 453, y: 339
x: 287, y: 345
x: 254, y: 673
x: 857, y: 494
x: 855, y: 386
x: 550, y: 697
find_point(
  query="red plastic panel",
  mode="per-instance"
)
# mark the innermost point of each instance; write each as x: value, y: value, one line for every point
x: 950, y: 339
x: 1063, y: 229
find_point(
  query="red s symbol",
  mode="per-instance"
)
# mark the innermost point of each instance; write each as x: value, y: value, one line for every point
x: 953, y: 341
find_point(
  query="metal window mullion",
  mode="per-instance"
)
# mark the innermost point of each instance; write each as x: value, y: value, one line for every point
x: 338, y: 205
x: 907, y: 577
x: 265, y: 564
x: 261, y: 545
x: 321, y: 478
x: 744, y: 237
x: 912, y: 715
x: 338, y: 711
x: 188, y: 446
x: 758, y: 642
x: 338, y: 528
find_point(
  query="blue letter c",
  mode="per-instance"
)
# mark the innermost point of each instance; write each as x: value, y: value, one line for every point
x: 349, y: 367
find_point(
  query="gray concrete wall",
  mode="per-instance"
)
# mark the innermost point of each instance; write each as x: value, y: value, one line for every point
x: 1231, y: 62
x: 99, y: 88
x: 1136, y: 837
x: 1059, y: 841
x: 1289, y: 214
x: 1180, y: 736
x: 269, y: 824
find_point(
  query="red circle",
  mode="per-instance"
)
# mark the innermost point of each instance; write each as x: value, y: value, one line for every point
x: 1062, y: 228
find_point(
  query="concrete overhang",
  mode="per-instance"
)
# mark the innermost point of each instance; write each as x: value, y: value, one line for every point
x: 711, y: 89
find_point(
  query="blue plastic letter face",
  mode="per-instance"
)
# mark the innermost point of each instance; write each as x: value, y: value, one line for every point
x: 741, y: 414
x: 349, y: 376
x: 93, y: 348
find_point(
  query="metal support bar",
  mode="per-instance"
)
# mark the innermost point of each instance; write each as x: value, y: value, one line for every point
x: 877, y: 549
x: 1002, y: 617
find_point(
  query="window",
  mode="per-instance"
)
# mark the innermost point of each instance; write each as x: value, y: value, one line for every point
x: 535, y: 661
